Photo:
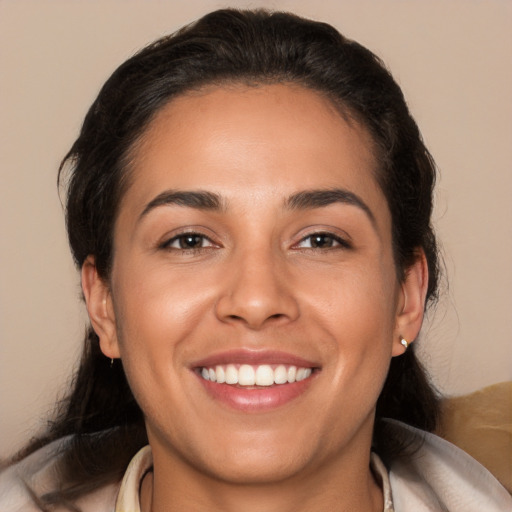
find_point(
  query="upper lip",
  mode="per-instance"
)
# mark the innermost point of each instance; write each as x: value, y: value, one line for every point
x: 254, y: 357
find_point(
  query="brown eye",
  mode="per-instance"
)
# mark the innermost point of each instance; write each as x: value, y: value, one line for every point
x: 188, y: 241
x: 323, y: 241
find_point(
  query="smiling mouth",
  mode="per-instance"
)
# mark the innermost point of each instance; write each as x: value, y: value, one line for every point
x: 263, y: 375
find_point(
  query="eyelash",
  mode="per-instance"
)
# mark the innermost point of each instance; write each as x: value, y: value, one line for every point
x: 335, y: 241
x: 340, y: 242
x: 168, y: 244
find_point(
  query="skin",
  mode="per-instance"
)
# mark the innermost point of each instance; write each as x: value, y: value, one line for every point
x: 254, y: 282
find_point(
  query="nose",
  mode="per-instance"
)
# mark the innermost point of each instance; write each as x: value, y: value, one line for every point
x: 257, y: 292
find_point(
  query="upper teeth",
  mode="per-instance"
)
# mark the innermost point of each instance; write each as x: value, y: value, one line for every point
x: 261, y: 375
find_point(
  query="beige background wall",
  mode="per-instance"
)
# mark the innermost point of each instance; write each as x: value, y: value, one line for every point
x: 453, y: 62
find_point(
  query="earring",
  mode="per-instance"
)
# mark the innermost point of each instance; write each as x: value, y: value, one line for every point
x: 404, y: 342
x: 111, y: 362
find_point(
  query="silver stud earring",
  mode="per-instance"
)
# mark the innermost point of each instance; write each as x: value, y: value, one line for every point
x: 404, y: 342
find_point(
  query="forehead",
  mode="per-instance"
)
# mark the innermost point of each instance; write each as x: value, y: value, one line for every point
x: 262, y: 141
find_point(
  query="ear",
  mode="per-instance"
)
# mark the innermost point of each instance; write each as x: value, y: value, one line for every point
x: 411, y: 304
x: 98, y: 299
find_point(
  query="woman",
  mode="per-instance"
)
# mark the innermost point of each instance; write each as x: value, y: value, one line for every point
x: 249, y: 203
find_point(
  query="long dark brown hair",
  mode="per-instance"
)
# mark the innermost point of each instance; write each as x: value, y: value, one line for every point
x: 254, y: 48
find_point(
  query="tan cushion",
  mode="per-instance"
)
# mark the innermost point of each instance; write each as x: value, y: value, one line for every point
x: 481, y: 424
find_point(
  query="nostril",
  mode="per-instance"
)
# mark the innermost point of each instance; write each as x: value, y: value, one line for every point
x: 271, y: 317
x: 254, y: 321
x: 244, y: 305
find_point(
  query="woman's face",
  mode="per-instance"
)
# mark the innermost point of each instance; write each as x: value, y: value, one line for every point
x: 253, y: 244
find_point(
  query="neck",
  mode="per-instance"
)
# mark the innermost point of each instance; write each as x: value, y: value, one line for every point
x: 333, y: 486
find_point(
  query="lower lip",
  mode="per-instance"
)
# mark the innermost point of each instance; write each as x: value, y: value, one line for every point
x: 259, y: 399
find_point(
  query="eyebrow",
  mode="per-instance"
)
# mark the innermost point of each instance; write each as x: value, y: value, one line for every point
x: 199, y: 200
x: 304, y: 200
x: 309, y: 199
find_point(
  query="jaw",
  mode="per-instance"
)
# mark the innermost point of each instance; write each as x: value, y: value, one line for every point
x: 263, y: 470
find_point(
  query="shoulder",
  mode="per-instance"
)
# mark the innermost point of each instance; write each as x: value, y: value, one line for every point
x: 440, y: 476
x: 22, y: 483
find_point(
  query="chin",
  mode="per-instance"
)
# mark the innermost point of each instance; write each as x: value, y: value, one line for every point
x: 255, y: 468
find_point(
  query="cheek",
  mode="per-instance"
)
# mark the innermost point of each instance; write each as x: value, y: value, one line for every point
x: 155, y: 314
x: 154, y: 300
x: 357, y: 313
x: 354, y: 299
